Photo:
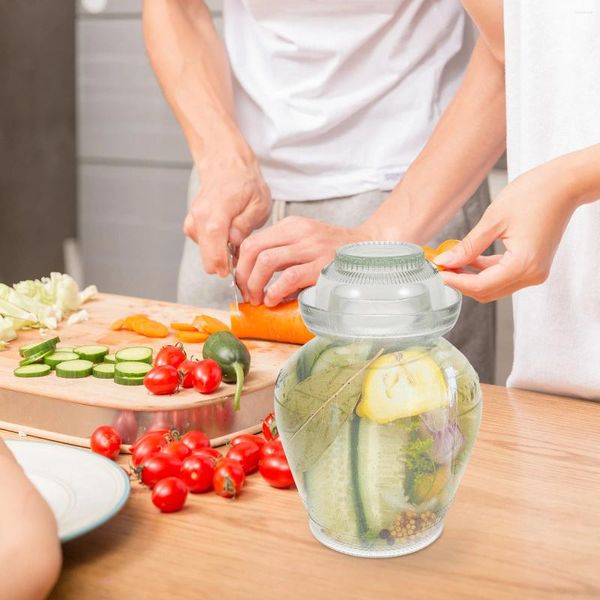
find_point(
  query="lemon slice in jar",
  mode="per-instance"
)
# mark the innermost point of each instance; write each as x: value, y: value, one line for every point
x: 402, y: 384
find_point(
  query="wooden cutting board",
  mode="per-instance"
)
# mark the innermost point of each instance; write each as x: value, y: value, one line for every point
x: 51, y: 406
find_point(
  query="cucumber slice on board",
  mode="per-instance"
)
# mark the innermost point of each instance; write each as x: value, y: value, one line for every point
x: 38, y: 347
x: 131, y: 369
x: 104, y: 371
x: 94, y: 353
x: 329, y: 486
x: 35, y: 358
x: 110, y: 358
x: 33, y: 371
x: 121, y: 380
x: 74, y: 369
x: 70, y: 349
x: 55, y: 358
x: 135, y: 354
x: 380, y: 472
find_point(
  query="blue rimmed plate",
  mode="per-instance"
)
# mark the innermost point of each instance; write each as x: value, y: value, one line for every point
x: 84, y: 490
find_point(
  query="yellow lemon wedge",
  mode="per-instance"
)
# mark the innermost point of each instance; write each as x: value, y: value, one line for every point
x: 402, y: 384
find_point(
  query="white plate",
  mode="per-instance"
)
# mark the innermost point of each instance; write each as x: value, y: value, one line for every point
x: 83, y: 489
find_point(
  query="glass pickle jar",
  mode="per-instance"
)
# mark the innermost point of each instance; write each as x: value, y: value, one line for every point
x: 378, y: 413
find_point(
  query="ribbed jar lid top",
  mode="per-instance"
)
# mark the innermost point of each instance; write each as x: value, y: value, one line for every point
x: 380, y: 289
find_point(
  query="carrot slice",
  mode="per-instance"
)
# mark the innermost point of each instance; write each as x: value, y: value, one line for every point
x: 430, y: 253
x: 447, y: 245
x: 131, y: 321
x: 209, y: 324
x: 149, y: 328
x: 283, y: 323
x: 183, y: 327
x: 117, y: 325
x: 191, y: 337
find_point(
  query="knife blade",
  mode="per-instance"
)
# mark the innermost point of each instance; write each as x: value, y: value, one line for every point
x: 231, y: 265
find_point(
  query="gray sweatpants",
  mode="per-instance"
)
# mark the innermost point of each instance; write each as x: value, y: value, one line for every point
x: 473, y: 334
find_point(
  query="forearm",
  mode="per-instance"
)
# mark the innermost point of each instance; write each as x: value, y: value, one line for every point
x: 191, y: 65
x: 468, y: 140
x: 581, y: 171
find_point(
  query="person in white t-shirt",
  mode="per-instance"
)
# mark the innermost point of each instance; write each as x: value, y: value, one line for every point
x: 309, y: 110
x: 534, y: 74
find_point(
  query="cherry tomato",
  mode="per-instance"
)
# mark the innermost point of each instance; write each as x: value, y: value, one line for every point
x: 276, y: 471
x: 197, y: 472
x: 195, y: 440
x: 106, y: 441
x: 269, y: 427
x: 185, y: 368
x: 177, y: 448
x: 169, y: 494
x: 148, y: 444
x: 271, y: 448
x: 229, y: 478
x: 247, y: 454
x: 212, y: 452
x: 248, y: 437
x: 170, y: 355
x: 206, y: 376
x: 159, y: 466
x: 162, y: 380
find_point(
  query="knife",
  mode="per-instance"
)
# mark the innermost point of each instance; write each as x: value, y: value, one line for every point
x: 231, y: 265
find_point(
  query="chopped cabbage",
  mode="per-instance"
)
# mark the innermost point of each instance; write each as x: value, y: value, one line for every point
x: 39, y: 303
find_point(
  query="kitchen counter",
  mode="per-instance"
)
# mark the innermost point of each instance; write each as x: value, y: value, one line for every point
x: 525, y: 524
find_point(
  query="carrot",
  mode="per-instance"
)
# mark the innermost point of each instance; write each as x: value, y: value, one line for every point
x: 183, y: 327
x: 282, y: 323
x: 149, y: 328
x: 191, y: 337
x: 209, y: 324
x: 117, y: 325
x: 130, y: 322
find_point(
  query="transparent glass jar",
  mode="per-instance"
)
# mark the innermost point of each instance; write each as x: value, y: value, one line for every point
x: 378, y: 413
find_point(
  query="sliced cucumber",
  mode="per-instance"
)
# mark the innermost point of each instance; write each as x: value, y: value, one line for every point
x: 310, y: 353
x: 32, y: 371
x: 131, y: 369
x: 55, y: 358
x: 38, y: 347
x: 135, y: 354
x: 121, y: 380
x: 35, y: 358
x: 74, y: 369
x: 341, y: 356
x: 329, y: 488
x: 104, y: 371
x: 380, y: 472
x: 94, y: 353
x: 110, y: 358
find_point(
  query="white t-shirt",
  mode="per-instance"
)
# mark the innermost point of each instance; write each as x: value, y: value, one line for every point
x: 553, y: 102
x: 338, y: 97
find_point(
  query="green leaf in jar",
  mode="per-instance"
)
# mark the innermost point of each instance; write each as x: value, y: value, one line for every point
x: 317, y: 407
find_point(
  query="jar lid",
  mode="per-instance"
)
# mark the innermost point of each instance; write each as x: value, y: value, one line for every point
x: 380, y: 289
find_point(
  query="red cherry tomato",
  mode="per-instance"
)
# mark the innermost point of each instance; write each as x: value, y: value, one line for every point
x: 229, y: 478
x: 269, y: 427
x: 148, y: 444
x: 106, y: 441
x: 169, y: 494
x: 248, y: 437
x: 197, y: 472
x: 276, y: 471
x: 271, y: 448
x: 170, y: 355
x: 162, y: 380
x: 195, y: 440
x: 177, y: 448
x: 159, y: 466
x: 185, y: 368
x: 247, y: 454
x: 206, y: 376
x: 212, y: 452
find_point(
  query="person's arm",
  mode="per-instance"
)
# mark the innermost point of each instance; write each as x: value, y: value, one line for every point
x: 30, y: 554
x: 468, y: 140
x: 529, y: 216
x: 191, y: 65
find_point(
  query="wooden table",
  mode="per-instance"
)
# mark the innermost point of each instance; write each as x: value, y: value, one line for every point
x: 525, y: 524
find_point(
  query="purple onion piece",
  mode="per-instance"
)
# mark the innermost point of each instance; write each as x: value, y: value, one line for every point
x: 447, y: 442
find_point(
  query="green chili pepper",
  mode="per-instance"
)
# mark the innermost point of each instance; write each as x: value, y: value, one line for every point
x: 233, y: 358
